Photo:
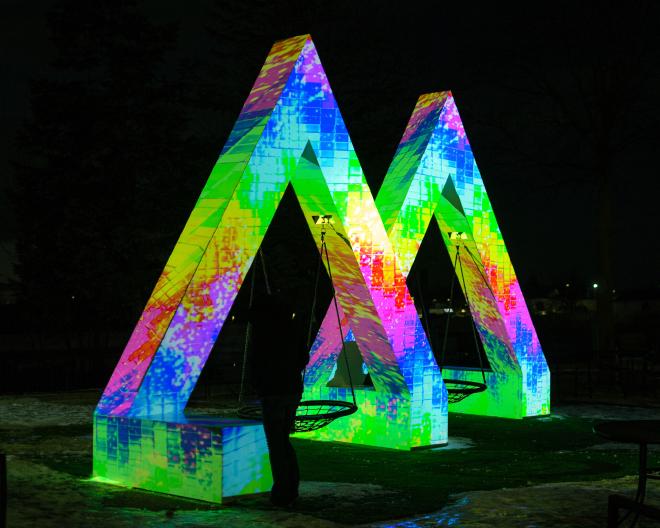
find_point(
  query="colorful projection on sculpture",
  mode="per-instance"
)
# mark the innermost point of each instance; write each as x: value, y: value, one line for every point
x: 434, y: 174
x: 290, y: 132
x: 195, y: 457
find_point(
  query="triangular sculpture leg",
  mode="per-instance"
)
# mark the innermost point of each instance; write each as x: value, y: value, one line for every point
x: 434, y: 174
x: 289, y: 132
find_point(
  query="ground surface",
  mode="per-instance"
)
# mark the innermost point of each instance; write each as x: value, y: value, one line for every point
x: 550, y: 471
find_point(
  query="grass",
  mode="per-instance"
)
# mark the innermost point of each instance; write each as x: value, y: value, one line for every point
x: 504, y: 454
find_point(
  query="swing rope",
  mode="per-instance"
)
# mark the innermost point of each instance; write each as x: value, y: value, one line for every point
x: 248, y: 341
x: 334, y: 299
x: 457, y: 389
x: 312, y: 314
x: 310, y: 414
x: 472, y: 325
x: 425, y: 316
x: 248, y: 330
x: 451, y: 307
x: 474, y: 261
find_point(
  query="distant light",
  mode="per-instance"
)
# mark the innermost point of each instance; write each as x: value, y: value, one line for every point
x: 568, y: 284
x: 595, y: 285
x: 73, y: 297
x: 613, y: 291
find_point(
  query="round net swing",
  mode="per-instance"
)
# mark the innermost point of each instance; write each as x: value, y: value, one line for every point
x: 310, y: 414
x: 458, y: 390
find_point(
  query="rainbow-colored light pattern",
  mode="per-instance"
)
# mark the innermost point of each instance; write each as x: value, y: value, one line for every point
x: 200, y: 458
x: 434, y: 173
x: 290, y: 132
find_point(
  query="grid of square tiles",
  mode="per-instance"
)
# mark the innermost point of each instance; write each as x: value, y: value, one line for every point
x: 519, y: 385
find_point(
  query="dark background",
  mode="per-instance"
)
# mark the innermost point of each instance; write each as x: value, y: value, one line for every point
x: 114, y: 113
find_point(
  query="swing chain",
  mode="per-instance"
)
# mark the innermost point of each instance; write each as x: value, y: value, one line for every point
x: 248, y: 338
x: 310, y: 414
x: 472, y: 323
x: 459, y: 263
x: 451, y: 308
x: 324, y: 247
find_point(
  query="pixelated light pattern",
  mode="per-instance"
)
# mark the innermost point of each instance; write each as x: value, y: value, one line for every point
x: 166, y: 352
x: 199, y: 458
x: 434, y: 173
x: 290, y: 132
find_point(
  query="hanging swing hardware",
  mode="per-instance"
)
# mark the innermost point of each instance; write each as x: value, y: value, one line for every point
x: 458, y: 389
x: 310, y: 414
x: 461, y: 235
x: 323, y: 219
x: 457, y: 235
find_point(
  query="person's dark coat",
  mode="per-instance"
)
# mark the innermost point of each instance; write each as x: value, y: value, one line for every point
x: 278, y: 347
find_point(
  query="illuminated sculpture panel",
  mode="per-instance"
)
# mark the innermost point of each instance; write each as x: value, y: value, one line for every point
x: 195, y: 457
x: 434, y: 174
x: 290, y: 132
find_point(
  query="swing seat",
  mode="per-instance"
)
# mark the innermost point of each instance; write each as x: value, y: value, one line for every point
x: 314, y: 414
x: 310, y: 415
x: 458, y: 390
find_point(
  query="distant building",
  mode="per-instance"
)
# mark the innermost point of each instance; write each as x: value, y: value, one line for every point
x: 627, y: 306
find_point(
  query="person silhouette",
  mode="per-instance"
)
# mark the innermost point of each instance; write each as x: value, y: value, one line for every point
x: 276, y: 368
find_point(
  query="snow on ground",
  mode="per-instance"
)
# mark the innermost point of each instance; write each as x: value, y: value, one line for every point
x: 41, y: 496
x: 25, y: 411
x: 609, y: 412
x: 456, y: 442
x: 46, y: 498
x: 565, y: 505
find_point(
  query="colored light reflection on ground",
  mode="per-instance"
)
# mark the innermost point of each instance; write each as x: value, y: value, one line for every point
x: 551, y: 471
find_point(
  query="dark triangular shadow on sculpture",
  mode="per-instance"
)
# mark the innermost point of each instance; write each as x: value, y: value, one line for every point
x: 350, y: 369
x: 309, y: 154
x: 450, y: 194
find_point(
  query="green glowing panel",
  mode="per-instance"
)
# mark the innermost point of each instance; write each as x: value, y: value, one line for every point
x: 206, y: 459
x: 290, y: 132
x: 434, y: 174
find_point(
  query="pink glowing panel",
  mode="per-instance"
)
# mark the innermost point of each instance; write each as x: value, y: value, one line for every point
x: 290, y: 132
x: 434, y: 174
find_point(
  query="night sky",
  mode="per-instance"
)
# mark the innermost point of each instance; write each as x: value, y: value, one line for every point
x: 537, y: 88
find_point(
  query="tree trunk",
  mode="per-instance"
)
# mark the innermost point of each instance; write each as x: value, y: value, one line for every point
x: 604, y: 307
